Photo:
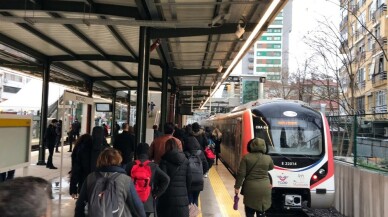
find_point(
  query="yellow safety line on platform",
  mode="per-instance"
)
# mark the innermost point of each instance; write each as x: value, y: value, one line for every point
x: 224, y: 200
x: 15, y: 122
x: 199, y: 205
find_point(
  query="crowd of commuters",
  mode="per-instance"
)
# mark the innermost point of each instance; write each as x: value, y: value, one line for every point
x: 166, y: 176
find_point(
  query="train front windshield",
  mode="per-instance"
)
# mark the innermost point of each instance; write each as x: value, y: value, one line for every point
x: 289, y: 130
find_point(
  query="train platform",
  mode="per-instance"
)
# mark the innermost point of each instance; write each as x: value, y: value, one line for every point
x: 215, y: 201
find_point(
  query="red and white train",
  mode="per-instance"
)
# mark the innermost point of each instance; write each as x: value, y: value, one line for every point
x: 299, y: 142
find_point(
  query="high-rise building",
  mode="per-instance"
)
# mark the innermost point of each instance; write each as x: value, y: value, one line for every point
x: 364, y: 31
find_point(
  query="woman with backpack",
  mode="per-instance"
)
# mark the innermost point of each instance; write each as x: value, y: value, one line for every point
x: 252, y: 175
x: 109, y: 190
x: 198, y: 166
x: 158, y: 180
x: 175, y: 201
x: 80, y: 164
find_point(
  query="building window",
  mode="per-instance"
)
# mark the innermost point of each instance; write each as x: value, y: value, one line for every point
x: 361, y: 105
x: 377, y: 31
x: 381, y: 65
x: 9, y: 89
x: 381, y: 101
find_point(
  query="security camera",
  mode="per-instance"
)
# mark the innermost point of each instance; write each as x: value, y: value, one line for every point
x: 220, y: 67
x: 240, y: 31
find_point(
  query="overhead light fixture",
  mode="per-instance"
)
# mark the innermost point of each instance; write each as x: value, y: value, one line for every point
x: 240, y: 29
x: 220, y: 68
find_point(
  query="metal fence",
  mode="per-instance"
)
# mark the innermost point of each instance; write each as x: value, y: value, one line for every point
x: 361, y: 139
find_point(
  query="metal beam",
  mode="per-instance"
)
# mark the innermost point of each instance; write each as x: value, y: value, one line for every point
x: 120, y: 39
x: 96, y: 57
x: 194, y: 96
x: 123, y: 78
x: 89, y: 42
x: 71, y: 7
x: 187, y: 88
x: 9, y: 42
x: 148, y: 11
x: 186, y: 72
x: 227, y: 28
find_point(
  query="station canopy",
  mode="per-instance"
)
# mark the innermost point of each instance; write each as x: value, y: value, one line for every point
x: 98, y: 41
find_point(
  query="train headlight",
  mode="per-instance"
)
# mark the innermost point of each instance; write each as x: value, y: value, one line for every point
x: 322, y: 172
x: 315, y: 177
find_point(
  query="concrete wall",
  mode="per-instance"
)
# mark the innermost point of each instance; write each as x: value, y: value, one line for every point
x: 359, y: 192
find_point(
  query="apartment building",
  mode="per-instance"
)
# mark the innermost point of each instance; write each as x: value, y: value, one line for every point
x: 364, y: 31
x: 10, y: 83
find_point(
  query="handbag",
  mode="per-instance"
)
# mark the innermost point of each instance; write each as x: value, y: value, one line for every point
x: 193, y: 210
x: 209, y: 154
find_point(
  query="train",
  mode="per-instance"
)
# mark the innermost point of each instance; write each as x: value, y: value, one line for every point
x: 298, y: 140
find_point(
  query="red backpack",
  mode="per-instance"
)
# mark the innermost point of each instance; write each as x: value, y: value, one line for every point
x: 209, y: 154
x: 141, y: 176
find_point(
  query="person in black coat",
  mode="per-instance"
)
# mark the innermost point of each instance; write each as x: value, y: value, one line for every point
x: 125, y: 143
x: 175, y: 201
x: 80, y: 164
x: 50, y: 138
x: 99, y: 144
x: 192, y: 148
x: 159, y: 179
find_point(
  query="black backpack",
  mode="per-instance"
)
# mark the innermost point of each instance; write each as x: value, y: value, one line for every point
x: 195, y: 165
x: 103, y: 198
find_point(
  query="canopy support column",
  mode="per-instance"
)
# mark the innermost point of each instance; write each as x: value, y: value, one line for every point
x: 89, y: 86
x: 129, y: 107
x: 142, y: 84
x: 43, y: 113
x: 113, y: 122
x: 163, y: 107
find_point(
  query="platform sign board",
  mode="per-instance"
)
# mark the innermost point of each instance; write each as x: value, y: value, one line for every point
x: 15, y: 143
x: 69, y: 96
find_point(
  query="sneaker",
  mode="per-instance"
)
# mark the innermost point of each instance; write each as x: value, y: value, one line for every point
x: 53, y: 167
x: 205, y: 176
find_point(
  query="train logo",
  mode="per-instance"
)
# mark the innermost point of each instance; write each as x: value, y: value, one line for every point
x: 282, y: 180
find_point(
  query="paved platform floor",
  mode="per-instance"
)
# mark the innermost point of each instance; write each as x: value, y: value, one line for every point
x: 215, y: 201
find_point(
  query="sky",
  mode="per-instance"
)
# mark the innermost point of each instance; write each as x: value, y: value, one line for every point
x: 306, y: 15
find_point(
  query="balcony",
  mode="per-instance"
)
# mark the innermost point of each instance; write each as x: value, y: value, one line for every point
x: 379, y: 79
x: 361, y: 84
x: 376, y: 46
x: 380, y: 109
x: 380, y: 12
x: 344, y: 22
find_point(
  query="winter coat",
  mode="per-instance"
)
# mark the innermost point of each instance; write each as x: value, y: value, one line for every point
x: 200, y: 136
x: 159, y: 182
x: 125, y: 143
x: 80, y: 167
x: 157, y: 148
x: 175, y: 201
x: 252, y: 175
x: 126, y: 192
x: 191, y: 148
x: 50, y: 136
